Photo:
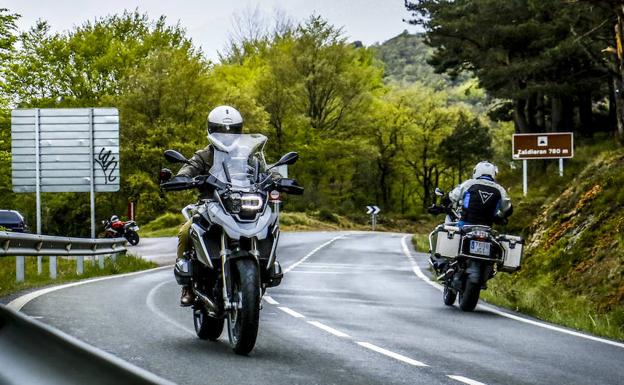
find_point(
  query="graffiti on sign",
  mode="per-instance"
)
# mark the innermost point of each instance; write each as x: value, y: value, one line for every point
x: 108, y: 163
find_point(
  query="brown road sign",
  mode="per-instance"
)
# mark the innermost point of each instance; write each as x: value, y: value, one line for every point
x: 550, y: 145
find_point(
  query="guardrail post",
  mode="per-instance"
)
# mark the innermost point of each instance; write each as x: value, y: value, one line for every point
x: 79, y: 265
x: 19, y: 268
x: 114, y: 257
x: 53, y: 267
x: 39, y: 264
x: 101, y: 260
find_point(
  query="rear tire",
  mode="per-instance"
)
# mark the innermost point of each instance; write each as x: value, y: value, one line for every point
x: 243, y: 322
x: 207, y: 327
x: 469, y: 297
x: 449, y: 296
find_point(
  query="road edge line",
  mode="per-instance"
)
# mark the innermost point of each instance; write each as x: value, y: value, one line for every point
x: 18, y: 303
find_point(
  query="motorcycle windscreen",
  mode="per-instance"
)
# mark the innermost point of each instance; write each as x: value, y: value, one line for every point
x: 237, y: 154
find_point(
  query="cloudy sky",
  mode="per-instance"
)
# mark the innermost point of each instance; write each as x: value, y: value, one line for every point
x: 209, y: 22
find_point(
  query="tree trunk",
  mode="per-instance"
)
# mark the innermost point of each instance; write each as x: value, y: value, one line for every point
x: 556, y: 114
x: 540, y: 114
x: 531, y: 112
x: 585, y: 114
x: 519, y: 117
x: 568, y: 114
x: 618, y: 81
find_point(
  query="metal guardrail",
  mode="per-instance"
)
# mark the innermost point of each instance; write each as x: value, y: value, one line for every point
x: 22, y: 244
x: 35, y: 353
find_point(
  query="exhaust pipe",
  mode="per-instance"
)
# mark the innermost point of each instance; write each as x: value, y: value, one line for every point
x: 211, y: 307
x: 449, y: 272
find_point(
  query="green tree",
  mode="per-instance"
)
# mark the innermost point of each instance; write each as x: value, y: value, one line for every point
x: 538, y: 54
x: 470, y: 142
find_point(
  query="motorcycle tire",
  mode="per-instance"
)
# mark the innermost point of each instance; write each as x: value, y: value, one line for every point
x: 133, y: 238
x: 469, y: 297
x: 243, y: 320
x: 449, y: 296
x: 206, y: 327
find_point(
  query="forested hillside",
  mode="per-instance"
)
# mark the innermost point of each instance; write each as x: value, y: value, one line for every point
x: 362, y: 138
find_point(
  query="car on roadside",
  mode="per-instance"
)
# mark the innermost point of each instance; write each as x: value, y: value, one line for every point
x: 11, y: 220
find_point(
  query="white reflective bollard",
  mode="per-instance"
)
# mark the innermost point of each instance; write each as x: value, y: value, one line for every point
x: 19, y: 268
x: 53, y: 267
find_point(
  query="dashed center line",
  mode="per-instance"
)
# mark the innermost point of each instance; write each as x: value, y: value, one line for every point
x: 290, y: 312
x: 311, y: 253
x: 465, y: 380
x: 394, y: 355
x: 328, y: 329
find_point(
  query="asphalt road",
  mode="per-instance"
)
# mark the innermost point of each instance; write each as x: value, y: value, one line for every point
x: 352, y: 312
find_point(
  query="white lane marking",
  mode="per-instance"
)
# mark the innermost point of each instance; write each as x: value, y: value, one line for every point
x: 290, y: 312
x: 328, y: 329
x: 18, y: 303
x: 490, y: 309
x: 149, y: 301
x: 394, y: 355
x: 311, y: 253
x: 466, y: 380
x: 323, y: 272
x: 270, y: 300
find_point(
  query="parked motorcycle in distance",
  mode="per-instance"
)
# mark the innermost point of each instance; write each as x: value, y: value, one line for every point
x: 234, y: 237
x: 470, y: 256
x: 127, y: 229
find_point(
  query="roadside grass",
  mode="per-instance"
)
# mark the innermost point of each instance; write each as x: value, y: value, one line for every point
x: 66, y: 271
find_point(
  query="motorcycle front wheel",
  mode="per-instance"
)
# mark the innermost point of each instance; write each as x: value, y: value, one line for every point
x: 243, y: 319
x: 207, y: 327
x: 132, y: 237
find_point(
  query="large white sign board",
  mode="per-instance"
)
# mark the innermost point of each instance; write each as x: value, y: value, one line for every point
x: 70, y: 144
x: 65, y: 150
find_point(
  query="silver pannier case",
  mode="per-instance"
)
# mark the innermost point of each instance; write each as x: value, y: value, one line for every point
x: 513, y: 248
x: 447, y: 241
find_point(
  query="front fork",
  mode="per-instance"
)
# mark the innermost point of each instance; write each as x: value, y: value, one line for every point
x: 226, y: 270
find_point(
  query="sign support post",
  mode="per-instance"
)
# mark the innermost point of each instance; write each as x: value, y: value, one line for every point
x: 525, y: 178
x: 38, y: 183
x: 92, y: 172
x: 373, y: 211
x: 560, y: 166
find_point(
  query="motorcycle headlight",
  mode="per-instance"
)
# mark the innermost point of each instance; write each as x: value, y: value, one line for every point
x: 251, y: 202
x: 248, y: 203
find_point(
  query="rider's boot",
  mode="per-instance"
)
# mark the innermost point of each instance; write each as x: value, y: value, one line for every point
x: 188, y: 297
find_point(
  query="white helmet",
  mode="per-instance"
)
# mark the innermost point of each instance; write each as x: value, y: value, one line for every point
x: 484, y: 168
x: 226, y: 120
x: 114, y: 218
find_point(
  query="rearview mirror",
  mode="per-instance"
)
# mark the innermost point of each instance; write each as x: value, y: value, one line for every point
x: 175, y: 157
x: 289, y: 186
x: 289, y: 158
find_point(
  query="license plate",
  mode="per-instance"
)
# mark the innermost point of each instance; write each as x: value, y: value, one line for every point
x: 135, y: 228
x: 480, y: 248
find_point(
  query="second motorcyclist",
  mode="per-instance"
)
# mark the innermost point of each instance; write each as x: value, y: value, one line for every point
x: 479, y: 201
